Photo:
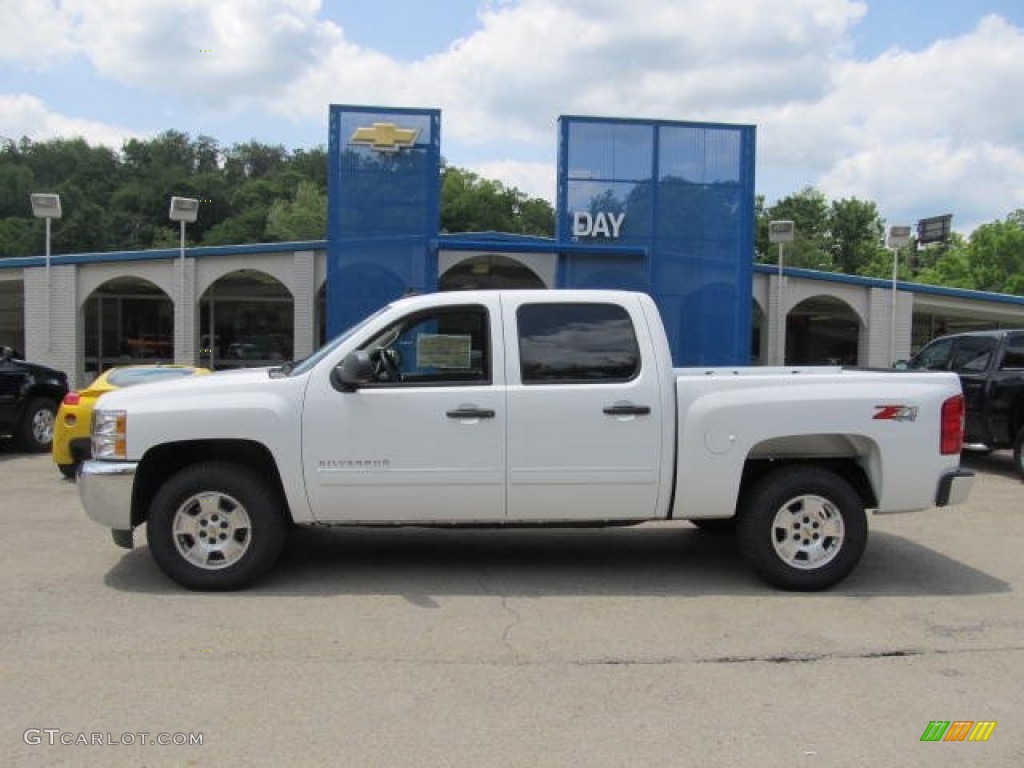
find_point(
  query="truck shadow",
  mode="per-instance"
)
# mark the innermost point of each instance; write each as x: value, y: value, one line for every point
x: 995, y: 463
x: 644, y: 561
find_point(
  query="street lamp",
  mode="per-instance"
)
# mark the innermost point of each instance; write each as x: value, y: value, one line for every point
x: 46, y: 205
x: 780, y: 232
x: 184, y: 210
x: 899, y: 237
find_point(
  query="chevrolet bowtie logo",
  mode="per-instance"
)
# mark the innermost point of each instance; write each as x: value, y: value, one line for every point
x: 385, y: 137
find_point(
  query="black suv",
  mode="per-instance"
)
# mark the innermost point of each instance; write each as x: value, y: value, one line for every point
x: 991, y: 369
x: 29, y: 397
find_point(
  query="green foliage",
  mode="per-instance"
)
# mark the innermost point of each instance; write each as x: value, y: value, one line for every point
x: 855, y: 233
x: 119, y: 200
x: 303, y: 218
x: 252, y: 192
x: 472, y: 204
x: 809, y: 211
x: 996, y: 255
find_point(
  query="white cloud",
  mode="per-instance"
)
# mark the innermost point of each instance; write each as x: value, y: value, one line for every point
x: 936, y: 129
x: 536, y: 59
x: 939, y: 129
x: 533, y: 179
x: 34, y: 33
x: 926, y: 133
x: 24, y: 115
x: 218, y: 55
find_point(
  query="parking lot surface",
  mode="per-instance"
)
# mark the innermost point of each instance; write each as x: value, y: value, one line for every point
x: 646, y: 646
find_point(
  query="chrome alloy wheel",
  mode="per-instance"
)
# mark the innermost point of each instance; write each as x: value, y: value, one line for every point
x: 42, y: 426
x: 807, y: 532
x: 211, y: 530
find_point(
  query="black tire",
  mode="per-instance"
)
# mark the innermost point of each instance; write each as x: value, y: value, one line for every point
x: 719, y: 526
x: 803, y: 528
x: 1018, y: 452
x: 35, y: 433
x: 70, y: 471
x: 215, y: 527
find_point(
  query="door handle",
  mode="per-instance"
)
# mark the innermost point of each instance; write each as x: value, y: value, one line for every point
x: 470, y: 413
x: 627, y: 410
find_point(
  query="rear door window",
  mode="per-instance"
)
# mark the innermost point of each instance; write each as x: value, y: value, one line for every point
x: 1013, y: 356
x: 576, y: 344
x: 972, y: 354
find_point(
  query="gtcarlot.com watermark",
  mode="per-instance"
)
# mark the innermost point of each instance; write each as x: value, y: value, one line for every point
x: 56, y: 737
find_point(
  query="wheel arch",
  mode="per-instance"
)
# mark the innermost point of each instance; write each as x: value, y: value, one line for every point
x: 163, y: 461
x: 854, y: 458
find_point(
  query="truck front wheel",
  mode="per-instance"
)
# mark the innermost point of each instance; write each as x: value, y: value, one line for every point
x: 215, y: 526
x: 803, y: 528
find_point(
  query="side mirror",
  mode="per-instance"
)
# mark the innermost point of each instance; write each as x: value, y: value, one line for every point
x: 354, y: 371
x: 901, y: 365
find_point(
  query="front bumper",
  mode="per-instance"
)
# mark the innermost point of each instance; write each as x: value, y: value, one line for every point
x: 954, y: 488
x: 105, y: 490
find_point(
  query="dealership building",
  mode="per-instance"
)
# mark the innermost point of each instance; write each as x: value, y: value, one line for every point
x: 663, y: 207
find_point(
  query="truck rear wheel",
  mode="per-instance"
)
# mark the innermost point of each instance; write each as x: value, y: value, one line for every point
x: 215, y: 526
x: 802, y: 528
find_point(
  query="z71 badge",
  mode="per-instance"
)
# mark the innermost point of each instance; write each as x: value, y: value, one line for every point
x: 895, y: 413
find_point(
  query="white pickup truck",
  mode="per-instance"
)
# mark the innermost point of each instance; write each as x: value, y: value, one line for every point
x: 520, y: 408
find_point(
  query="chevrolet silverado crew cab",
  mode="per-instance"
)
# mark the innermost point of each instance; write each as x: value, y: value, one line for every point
x: 990, y: 365
x: 519, y: 408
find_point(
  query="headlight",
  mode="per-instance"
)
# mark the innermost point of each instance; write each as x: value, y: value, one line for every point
x: 109, y: 431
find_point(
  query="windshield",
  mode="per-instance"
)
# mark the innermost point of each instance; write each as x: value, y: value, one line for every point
x: 129, y: 377
x: 310, y: 362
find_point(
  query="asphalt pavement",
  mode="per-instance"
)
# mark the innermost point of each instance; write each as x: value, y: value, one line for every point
x: 647, y: 646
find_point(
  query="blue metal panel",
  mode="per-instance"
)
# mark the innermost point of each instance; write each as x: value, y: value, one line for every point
x: 685, y: 193
x: 383, y: 208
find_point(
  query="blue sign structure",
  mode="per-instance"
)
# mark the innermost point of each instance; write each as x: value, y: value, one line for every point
x: 684, y: 192
x: 383, y: 210
x: 656, y: 206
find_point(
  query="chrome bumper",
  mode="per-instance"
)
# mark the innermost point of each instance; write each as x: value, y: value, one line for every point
x: 954, y: 488
x: 105, y: 490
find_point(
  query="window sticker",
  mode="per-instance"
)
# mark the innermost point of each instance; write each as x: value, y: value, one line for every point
x: 441, y: 350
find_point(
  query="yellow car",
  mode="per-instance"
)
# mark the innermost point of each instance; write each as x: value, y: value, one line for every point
x: 71, y: 445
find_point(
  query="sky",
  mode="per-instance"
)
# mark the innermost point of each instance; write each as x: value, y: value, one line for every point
x: 912, y: 104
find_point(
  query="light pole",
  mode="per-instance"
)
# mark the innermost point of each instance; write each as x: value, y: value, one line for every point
x: 46, y: 205
x: 898, y: 237
x: 184, y: 210
x: 780, y: 232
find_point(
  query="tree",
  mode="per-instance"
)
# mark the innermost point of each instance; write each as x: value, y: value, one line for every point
x: 855, y: 233
x: 809, y: 212
x: 472, y: 204
x: 952, y: 269
x: 995, y: 254
x: 302, y: 218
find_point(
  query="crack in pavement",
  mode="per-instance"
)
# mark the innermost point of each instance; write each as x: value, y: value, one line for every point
x: 516, y: 621
x: 809, y: 658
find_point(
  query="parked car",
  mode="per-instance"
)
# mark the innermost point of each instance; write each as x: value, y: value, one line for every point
x: 991, y: 369
x: 29, y: 397
x: 71, y: 444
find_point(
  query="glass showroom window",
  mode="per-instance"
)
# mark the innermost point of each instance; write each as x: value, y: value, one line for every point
x: 246, y: 319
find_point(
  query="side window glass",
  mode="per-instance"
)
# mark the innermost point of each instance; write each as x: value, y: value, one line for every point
x: 576, y: 344
x: 972, y: 354
x: 1013, y: 357
x: 934, y: 357
x: 450, y: 345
